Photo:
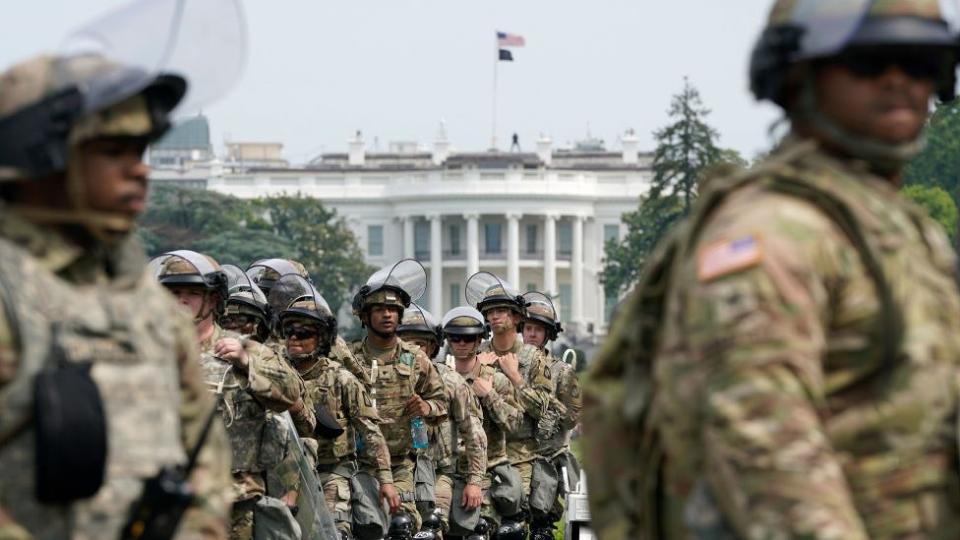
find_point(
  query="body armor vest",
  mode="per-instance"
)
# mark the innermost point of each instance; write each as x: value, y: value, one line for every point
x: 126, y: 332
x: 326, y: 388
x: 395, y: 383
x: 243, y: 416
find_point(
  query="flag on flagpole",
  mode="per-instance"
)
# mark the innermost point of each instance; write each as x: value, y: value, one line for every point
x: 509, y: 40
x: 505, y: 55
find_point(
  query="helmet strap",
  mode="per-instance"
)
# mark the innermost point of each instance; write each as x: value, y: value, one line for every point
x: 885, y: 158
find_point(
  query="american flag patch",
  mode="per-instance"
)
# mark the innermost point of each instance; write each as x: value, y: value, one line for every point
x: 722, y: 258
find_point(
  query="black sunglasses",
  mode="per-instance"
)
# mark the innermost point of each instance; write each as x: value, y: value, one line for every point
x: 299, y: 332
x: 461, y: 339
x: 239, y: 320
x: 927, y: 64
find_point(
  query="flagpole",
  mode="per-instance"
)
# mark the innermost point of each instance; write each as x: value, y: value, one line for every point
x: 496, y: 61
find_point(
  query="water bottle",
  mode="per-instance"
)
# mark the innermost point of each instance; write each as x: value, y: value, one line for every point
x: 418, y: 429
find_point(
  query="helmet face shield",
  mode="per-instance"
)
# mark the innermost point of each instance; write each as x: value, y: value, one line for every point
x: 265, y: 272
x: 406, y: 275
x: 464, y: 321
x: 293, y: 293
x: 486, y: 291
x: 540, y: 309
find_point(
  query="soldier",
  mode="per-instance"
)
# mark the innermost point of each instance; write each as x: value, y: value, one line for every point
x: 465, y: 329
x: 787, y: 365
x: 246, y: 312
x: 91, y: 348
x: 309, y: 328
x: 527, y: 368
x: 458, y: 444
x: 541, y: 326
x: 248, y: 377
x: 407, y: 389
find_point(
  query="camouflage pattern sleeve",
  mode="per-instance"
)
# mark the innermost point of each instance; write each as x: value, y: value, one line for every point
x: 568, y: 393
x: 537, y: 395
x: 759, y: 323
x: 269, y: 379
x: 209, y: 513
x: 501, y: 404
x: 340, y: 352
x: 8, y: 353
x: 430, y: 387
x: 465, y: 411
x: 302, y: 412
x: 365, y: 420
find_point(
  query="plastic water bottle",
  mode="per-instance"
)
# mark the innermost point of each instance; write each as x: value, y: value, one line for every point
x: 418, y: 429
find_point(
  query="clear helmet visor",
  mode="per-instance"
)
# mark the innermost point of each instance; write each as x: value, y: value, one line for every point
x: 293, y: 288
x: 540, y: 304
x: 417, y: 316
x: 238, y: 282
x: 201, y: 265
x: 484, y: 285
x: 265, y: 271
x: 204, y: 42
x: 407, y: 275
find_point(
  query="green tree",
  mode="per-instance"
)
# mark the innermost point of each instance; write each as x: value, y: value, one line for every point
x: 937, y: 203
x: 687, y: 151
x: 939, y: 162
x: 179, y: 218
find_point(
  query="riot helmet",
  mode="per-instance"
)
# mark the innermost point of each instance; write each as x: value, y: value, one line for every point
x: 395, y: 285
x: 540, y: 309
x: 185, y: 268
x: 246, y: 304
x: 486, y: 291
x: 265, y: 272
x: 464, y: 323
x: 418, y: 323
x: 299, y: 307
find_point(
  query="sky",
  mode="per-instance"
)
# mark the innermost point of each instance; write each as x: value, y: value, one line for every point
x: 319, y: 70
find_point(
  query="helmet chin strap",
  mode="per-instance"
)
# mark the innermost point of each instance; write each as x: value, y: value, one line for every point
x: 883, y: 157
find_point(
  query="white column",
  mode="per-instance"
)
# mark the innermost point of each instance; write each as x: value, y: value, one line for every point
x: 408, y: 237
x: 576, y: 271
x: 550, y: 254
x: 436, y: 265
x: 473, y: 244
x: 513, y: 249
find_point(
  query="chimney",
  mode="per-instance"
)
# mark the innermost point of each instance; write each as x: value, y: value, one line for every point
x: 544, y: 149
x: 441, y: 146
x: 631, y: 148
x: 357, y: 150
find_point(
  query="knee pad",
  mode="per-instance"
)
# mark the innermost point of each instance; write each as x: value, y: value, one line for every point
x: 512, y: 530
x: 401, y: 527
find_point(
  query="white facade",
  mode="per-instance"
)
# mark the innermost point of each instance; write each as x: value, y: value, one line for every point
x: 538, y: 220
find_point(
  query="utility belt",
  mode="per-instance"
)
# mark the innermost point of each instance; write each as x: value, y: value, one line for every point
x: 345, y: 468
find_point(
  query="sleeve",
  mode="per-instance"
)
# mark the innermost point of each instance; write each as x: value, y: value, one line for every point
x: 537, y: 396
x: 568, y: 393
x: 302, y: 412
x: 762, y: 330
x: 341, y: 353
x: 464, y: 411
x: 500, y: 404
x: 209, y: 512
x: 364, y: 418
x: 430, y: 387
x: 270, y: 380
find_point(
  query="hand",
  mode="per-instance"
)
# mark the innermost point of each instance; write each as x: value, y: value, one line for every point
x: 510, y: 367
x: 416, y: 406
x: 231, y: 350
x: 290, y: 498
x: 482, y: 386
x: 389, y: 493
x: 471, y: 497
x: 487, y: 358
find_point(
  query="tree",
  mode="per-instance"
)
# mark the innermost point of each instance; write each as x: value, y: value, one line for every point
x: 939, y: 163
x: 178, y: 218
x: 937, y: 203
x: 685, y: 148
x: 687, y: 152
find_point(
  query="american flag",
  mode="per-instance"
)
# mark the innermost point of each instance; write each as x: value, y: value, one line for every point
x: 509, y: 40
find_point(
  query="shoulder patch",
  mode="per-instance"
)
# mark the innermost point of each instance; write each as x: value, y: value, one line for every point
x: 407, y: 358
x: 728, y: 256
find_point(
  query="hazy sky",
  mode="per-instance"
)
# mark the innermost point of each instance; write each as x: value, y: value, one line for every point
x: 319, y: 70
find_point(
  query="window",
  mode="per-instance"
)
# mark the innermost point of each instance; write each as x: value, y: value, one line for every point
x: 375, y: 240
x: 566, y: 301
x: 421, y: 240
x: 532, y: 239
x: 611, y: 232
x: 531, y: 287
x: 456, y: 299
x: 491, y: 233
x: 454, y: 239
x: 565, y: 237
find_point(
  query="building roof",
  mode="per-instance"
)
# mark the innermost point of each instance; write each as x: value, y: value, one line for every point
x: 192, y: 134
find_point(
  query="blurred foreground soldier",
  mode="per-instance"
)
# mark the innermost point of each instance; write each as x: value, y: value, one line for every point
x: 247, y: 377
x: 527, y: 369
x: 101, y: 396
x: 465, y: 329
x: 541, y: 326
x: 309, y: 328
x: 457, y: 456
x: 407, y: 389
x: 787, y: 365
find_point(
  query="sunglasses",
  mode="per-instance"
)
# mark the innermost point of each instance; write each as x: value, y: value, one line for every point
x: 239, y: 320
x: 924, y: 64
x: 461, y: 339
x: 299, y: 332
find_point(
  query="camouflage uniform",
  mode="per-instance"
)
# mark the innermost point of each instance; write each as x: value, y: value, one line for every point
x: 139, y: 386
x: 401, y: 372
x: 268, y: 385
x: 336, y: 389
x: 459, y: 443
